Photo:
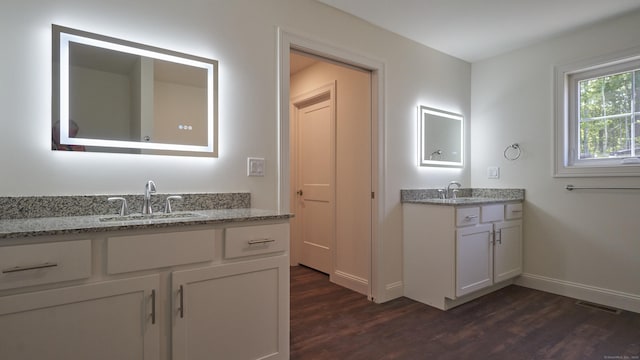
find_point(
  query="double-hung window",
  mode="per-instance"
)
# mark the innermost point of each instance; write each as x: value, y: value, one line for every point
x: 598, y: 117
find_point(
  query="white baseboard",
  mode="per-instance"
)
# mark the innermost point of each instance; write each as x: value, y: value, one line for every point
x: 612, y: 298
x: 350, y: 281
x: 392, y: 291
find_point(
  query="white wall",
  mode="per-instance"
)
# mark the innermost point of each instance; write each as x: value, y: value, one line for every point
x: 416, y: 76
x: 581, y: 243
x: 242, y: 35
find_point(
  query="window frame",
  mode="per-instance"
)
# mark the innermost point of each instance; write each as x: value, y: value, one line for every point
x: 566, y: 162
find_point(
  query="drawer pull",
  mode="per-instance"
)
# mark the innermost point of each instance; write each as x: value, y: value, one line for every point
x: 470, y: 217
x: 30, y: 267
x: 153, y: 306
x: 260, y: 241
x: 516, y: 211
x: 181, y: 308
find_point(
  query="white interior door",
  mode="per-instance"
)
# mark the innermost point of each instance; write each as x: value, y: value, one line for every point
x: 315, y: 123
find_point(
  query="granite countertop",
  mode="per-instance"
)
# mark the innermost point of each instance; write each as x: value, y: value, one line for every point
x: 461, y: 201
x: 30, y: 227
x: 465, y: 196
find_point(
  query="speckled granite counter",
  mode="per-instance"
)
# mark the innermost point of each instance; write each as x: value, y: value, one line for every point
x: 30, y: 227
x: 467, y: 196
x: 21, y: 207
x: 32, y: 216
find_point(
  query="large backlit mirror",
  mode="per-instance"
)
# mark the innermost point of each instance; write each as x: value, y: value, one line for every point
x: 112, y: 95
x: 441, y: 137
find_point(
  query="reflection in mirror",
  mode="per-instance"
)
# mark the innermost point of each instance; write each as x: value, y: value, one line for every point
x: 117, y: 96
x: 441, y: 137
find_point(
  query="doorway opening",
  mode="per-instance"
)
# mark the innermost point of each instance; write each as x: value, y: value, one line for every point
x: 287, y: 42
x: 331, y: 168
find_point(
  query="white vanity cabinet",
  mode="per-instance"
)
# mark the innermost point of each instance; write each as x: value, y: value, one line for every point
x: 238, y: 309
x: 102, y: 320
x: 474, y: 259
x: 187, y: 292
x: 454, y: 254
x: 107, y: 320
x: 489, y: 252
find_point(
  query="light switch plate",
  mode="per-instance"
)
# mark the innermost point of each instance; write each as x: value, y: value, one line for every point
x: 493, y: 172
x: 255, y: 167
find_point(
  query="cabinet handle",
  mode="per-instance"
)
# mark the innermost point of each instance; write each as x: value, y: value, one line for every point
x: 516, y: 211
x: 153, y: 306
x: 181, y: 308
x: 260, y: 241
x: 498, y: 235
x: 29, y: 267
x: 470, y: 217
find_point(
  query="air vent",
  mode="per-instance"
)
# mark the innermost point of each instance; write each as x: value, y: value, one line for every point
x: 604, y: 308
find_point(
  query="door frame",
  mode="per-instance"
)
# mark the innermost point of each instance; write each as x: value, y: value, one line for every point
x: 289, y: 40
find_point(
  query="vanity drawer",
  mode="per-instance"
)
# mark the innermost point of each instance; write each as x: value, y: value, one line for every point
x: 152, y: 251
x: 36, y: 264
x: 467, y: 216
x: 255, y: 240
x: 513, y: 211
x: 491, y: 213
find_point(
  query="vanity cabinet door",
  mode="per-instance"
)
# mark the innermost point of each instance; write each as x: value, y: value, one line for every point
x: 507, y: 250
x: 474, y: 258
x: 232, y: 311
x: 101, y: 321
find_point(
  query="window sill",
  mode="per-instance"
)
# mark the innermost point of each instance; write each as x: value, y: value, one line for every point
x: 610, y: 170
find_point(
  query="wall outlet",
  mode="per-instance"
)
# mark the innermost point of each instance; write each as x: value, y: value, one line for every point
x: 493, y: 172
x: 255, y: 167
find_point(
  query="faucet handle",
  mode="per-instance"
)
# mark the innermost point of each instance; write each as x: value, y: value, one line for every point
x: 167, y: 203
x: 124, y: 209
x: 151, y: 186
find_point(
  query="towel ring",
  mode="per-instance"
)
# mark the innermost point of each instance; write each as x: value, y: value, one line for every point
x: 512, y: 152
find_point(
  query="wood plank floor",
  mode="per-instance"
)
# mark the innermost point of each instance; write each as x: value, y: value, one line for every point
x: 331, y: 322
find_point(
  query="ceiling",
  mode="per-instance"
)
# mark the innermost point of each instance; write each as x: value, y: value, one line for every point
x: 299, y: 62
x: 474, y: 30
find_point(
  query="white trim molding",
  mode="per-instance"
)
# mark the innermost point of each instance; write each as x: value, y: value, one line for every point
x: 351, y: 281
x: 608, y: 297
x: 565, y: 163
x: 287, y: 40
x: 394, y: 290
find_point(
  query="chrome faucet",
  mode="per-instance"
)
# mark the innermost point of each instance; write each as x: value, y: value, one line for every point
x: 452, y: 194
x: 124, y: 209
x: 149, y: 188
x: 167, y: 203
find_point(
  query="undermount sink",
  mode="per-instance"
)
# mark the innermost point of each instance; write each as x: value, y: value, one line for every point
x: 461, y: 200
x: 141, y: 217
x: 466, y: 200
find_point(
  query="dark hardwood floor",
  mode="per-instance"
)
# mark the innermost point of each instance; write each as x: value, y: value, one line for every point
x: 331, y: 322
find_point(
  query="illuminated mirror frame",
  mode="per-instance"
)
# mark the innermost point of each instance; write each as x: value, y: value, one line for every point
x: 423, y: 158
x: 62, y: 36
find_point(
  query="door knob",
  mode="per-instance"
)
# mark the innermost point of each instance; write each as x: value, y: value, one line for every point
x: 299, y: 192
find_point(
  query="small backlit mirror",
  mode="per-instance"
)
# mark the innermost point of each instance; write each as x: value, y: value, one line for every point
x: 441, y: 138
